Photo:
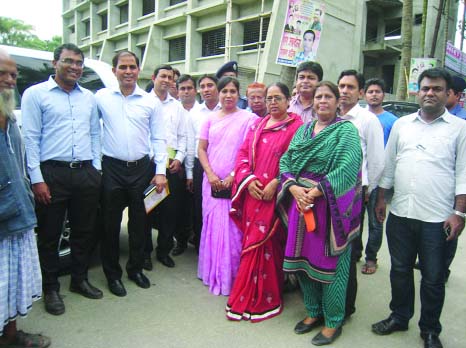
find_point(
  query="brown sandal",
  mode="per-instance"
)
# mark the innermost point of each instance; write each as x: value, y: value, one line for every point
x: 370, y: 267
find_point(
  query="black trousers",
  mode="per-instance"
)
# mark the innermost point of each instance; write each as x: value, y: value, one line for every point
x: 198, y: 175
x: 77, y: 191
x: 123, y: 186
x: 184, y: 213
x: 165, y: 218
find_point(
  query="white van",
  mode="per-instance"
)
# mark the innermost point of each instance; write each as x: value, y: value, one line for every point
x: 36, y: 66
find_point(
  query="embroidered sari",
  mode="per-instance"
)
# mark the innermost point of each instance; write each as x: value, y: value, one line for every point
x: 256, y: 293
x: 220, y: 246
x: 332, y: 160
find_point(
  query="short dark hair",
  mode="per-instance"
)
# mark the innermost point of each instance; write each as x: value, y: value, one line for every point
x: 184, y: 78
x: 315, y: 67
x: 117, y: 56
x: 351, y: 72
x: 206, y: 76
x: 333, y: 88
x: 66, y: 46
x: 225, y: 80
x: 310, y: 31
x: 176, y: 72
x: 436, y: 73
x: 162, y: 67
x: 283, y: 88
x: 374, y: 81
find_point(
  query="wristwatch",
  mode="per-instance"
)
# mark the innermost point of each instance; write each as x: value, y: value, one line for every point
x: 456, y: 212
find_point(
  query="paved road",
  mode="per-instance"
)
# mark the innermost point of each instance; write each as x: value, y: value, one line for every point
x: 178, y: 311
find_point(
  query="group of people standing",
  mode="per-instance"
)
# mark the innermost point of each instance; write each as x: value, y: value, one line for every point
x: 280, y: 188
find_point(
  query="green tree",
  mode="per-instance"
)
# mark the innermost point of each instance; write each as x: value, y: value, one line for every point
x: 15, y: 32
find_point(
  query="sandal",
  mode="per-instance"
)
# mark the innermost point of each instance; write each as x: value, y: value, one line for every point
x: 26, y: 340
x: 370, y: 267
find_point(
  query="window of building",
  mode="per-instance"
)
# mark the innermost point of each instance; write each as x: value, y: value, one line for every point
x: 103, y: 21
x: 213, y: 42
x: 177, y: 49
x: 393, y: 27
x: 87, y: 27
x: 176, y: 2
x: 148, y: 6
x: 71, y: 29
x: 251, y: 33
x: 123, y: 13
x: 418, y: 19
x: 142, y: 51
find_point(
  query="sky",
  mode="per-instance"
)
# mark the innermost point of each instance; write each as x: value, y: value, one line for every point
x: 43, y: 15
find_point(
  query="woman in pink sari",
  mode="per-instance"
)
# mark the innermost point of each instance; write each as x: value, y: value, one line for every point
x: 221, y: 136
x: 257, y: 291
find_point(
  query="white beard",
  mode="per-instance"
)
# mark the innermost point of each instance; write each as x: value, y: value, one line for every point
x: 7, y: 104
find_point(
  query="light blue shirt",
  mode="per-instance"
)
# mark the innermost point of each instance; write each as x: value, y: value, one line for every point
x: 386, y: 119
x: 60, y: 126
x: 132, y: 125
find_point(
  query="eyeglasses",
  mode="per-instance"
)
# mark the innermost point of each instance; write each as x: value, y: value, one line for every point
x: 276, y: 99
x: 69, y: 61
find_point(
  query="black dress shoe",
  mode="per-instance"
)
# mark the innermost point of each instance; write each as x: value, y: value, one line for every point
x: 147, y: 265
x: 54, y: 303
x: 117, y: 288
x: 178, y: 250
x: 166, y: 261
x: 387, y: 326
x: 140, y: 279
x: 86, y: 289
x: 321, y: 340
x: 302, y: 327
x: 431, y: 340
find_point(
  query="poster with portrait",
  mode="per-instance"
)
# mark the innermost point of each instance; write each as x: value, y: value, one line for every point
x: 418, y: 65
x: 301, y: 32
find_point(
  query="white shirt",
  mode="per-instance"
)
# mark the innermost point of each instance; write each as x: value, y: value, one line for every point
x: 131, y: 126
x: 371, y: 135
x: 175, y: 124
x: 196, y: 118
x: 426, y: 164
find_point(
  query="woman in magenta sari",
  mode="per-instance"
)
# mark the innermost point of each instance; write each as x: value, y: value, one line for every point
x: 221, y: 136
x: 256, y: 293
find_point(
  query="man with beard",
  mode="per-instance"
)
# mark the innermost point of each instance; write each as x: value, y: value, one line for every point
x: 194, y: 172
x: 351, y: 87
x: 167, y: 214
x: 62, y: 137
x: 425, y: 164
x: 374, y: 94
x: 20, y: 277
x: 133, y: 128
x: 308, y: 75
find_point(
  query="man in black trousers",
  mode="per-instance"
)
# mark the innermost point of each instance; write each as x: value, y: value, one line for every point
x: 133, y: 125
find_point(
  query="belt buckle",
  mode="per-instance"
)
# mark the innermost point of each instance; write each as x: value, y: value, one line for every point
x: 130, y: 164
x: 75, y: 165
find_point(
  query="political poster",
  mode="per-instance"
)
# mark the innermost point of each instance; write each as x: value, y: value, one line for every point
x: 418, y: 65
x: 302, y: 28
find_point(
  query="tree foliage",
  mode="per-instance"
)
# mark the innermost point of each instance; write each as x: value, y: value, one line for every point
x: 14, y: 32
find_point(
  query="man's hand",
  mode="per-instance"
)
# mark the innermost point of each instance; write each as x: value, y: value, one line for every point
x: 42, y: 193
x: 160, y: 182
x: 380, y: 210
x: 255, y: 189
x: 174, y: 166
x: 456, y: 225
x: 190, y: 185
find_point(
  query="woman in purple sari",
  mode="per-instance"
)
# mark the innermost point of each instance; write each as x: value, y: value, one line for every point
x: 320, y: 204
x: 221, y: 137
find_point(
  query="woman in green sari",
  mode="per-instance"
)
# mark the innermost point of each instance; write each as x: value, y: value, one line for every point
x: 320, y: 204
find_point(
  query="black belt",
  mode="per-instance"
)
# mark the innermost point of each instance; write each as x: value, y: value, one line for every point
x: 128, y: 164
x: 72, y: 164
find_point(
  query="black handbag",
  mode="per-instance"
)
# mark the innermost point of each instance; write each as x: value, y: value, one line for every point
x: 225, y: 193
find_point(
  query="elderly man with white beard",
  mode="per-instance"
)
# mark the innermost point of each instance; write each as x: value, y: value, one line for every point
x: 20, y: 276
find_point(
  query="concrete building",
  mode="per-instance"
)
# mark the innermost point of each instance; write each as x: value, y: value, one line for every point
x: 197, y: 36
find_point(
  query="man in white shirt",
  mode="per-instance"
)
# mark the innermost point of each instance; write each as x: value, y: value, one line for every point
x: 194, y: 172
x: 186, y: 86
x: 167, y: 214
x: 351, y: 87
x: 133, y: 128
x: 426, y: 165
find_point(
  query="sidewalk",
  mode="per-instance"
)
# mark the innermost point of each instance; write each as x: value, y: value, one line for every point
x: 178, y: 311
